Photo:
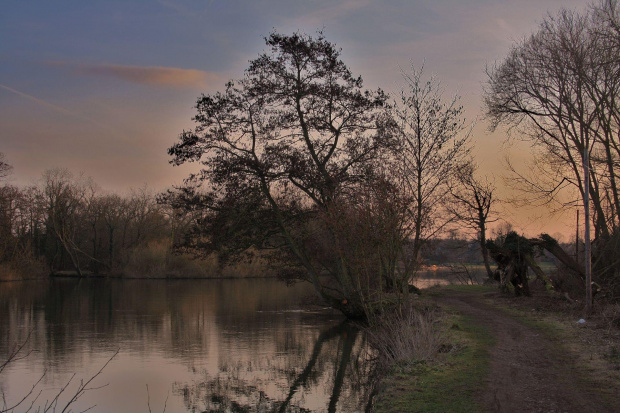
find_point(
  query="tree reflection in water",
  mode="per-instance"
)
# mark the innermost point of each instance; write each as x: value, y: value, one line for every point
x: 338, y: 352
x: 236, y: 345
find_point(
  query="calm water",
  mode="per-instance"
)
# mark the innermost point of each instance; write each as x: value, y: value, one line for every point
x: 442, y: 276
x: 211, y: 345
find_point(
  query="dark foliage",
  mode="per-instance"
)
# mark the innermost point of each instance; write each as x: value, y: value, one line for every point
x: 279, y: 149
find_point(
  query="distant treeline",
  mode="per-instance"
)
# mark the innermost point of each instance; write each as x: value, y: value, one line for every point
x: 66, y: 225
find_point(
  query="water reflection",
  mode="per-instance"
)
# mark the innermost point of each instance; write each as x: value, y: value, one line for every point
x: 213, y: 345
x: 337, y: 364
x: 445, y: 276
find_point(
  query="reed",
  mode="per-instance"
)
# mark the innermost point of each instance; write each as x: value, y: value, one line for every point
x: 157, y: 260
x: 408, y: 335
x: 22, y: 267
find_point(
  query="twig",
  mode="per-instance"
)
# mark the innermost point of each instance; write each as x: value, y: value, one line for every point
x: 148, y: 400
x: 9, y: 409
x: 15, y: 351
x: 84, y: 385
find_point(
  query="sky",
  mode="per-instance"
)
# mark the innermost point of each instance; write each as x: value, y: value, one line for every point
x: 105, y: 87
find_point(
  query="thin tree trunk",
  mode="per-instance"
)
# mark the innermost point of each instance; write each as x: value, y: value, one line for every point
x: 484, y: 251
x: 111, y: 246
x: 588, y: 253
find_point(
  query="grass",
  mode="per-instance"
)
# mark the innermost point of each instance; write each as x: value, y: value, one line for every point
x: 449, y: 383
x: 409, y: 334
x: 613, y: 355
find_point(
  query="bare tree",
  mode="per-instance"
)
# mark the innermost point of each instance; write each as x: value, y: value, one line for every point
x: 66, y: 198
x: 29, y: 401
x: 559, y: 88
x: 433, y: 139
x: 470, y: 203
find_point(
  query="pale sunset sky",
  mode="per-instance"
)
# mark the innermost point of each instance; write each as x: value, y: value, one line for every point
x: 105, y: 87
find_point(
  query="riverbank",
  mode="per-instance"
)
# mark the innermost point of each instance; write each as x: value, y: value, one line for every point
x: 506, y: 354
x: 156, y: 266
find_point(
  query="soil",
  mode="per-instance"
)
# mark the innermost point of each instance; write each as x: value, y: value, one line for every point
x: 529, y: 370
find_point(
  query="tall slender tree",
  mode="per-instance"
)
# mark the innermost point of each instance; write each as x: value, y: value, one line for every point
x: 433, y: 139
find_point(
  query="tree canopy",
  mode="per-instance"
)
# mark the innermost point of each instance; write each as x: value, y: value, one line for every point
x: 279, y: 148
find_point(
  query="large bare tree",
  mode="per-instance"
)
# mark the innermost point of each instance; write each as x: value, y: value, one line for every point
x: 559, y: 88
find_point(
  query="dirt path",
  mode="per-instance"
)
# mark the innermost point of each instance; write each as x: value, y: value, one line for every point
x: 528, y: 373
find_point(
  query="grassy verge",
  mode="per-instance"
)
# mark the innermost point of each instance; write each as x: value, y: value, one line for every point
x: 449, y: 383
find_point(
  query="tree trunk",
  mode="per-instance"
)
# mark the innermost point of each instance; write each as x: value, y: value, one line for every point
x: 540, y: 274
x: 485, y: 252
x: 111, y: 246
x: 548, y: 244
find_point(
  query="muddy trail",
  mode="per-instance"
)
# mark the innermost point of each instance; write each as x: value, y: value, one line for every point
x: 528, y: 372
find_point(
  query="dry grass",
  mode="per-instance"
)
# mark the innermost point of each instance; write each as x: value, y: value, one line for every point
x: 157, y: 260
x: 22, y: 268
x: 409, y: 335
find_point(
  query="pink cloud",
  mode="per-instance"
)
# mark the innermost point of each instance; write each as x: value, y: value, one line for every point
x: 147, y: 75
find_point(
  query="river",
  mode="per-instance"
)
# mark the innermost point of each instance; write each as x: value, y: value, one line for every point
x: 248, y: 345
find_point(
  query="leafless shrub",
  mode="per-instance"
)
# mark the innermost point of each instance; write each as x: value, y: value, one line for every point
x: 463, y: 274
x: 16, y: 352
x: 610, y: 314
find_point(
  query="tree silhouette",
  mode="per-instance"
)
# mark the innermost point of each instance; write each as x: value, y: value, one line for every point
x: 279, y: 148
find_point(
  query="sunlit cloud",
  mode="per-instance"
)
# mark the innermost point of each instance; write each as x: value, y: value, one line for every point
x: 146, y: 75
